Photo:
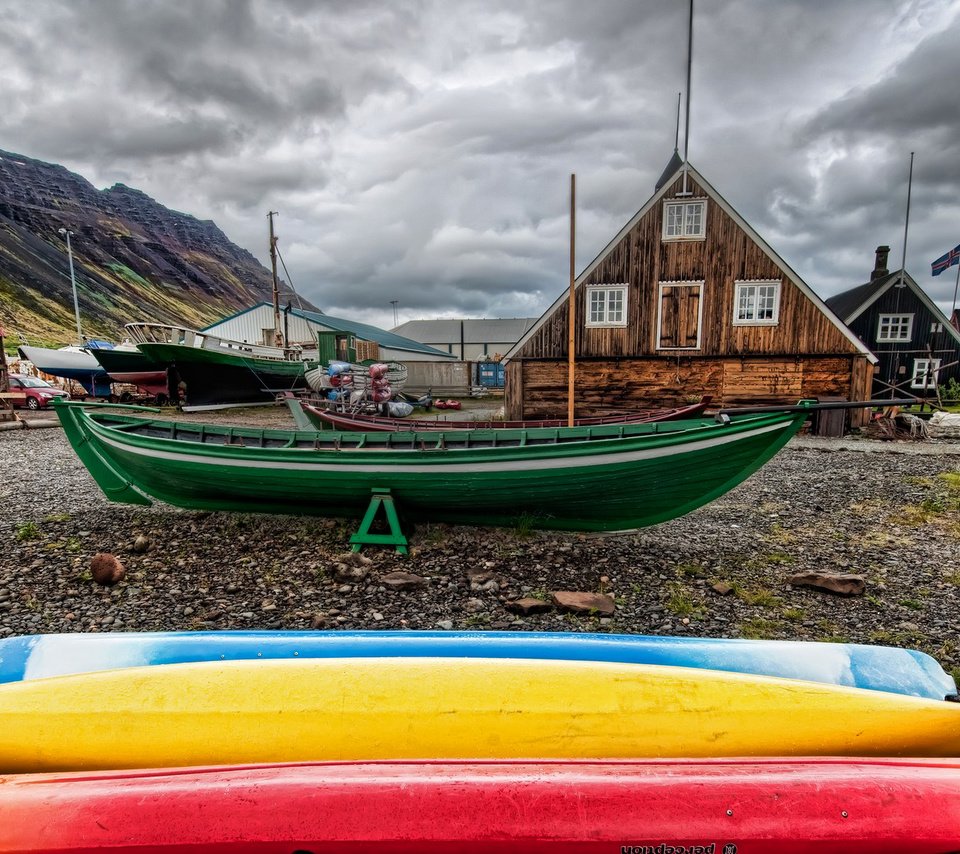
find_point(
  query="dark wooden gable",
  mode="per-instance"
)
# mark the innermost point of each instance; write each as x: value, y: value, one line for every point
x: 665, y: 314
x: 932, y: 335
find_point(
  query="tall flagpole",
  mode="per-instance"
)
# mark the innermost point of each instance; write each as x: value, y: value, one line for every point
x: 906, y: 223
x: 572, y: 338
x: 956, y: 287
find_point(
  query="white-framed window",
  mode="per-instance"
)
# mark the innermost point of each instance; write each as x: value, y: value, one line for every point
x: 936, y: 326
x: 925, y: 373
x: 756, y: 304
x: 606, y: 305
x: 684, y: 220
x: 895, y: 327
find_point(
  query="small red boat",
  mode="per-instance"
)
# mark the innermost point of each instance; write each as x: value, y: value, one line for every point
x: 751, y: 806
x: 374, y: 423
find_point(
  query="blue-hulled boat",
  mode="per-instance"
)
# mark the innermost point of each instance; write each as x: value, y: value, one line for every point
x: 878, y: 668
x: 72, y: 363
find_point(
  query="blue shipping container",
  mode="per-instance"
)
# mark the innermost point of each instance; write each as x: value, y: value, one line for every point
x: 491, y: 374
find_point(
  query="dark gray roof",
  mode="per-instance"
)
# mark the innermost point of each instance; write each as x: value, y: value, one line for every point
x: 675, y: 163
x: 846, y: 304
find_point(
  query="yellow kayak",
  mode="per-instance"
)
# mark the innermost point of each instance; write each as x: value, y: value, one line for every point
x: 237, y: 712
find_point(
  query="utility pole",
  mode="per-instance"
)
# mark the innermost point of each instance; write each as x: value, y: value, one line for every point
x: 394, y: 302
x: 278, y: 338
x: 4, y: 382
x: 73, y: 284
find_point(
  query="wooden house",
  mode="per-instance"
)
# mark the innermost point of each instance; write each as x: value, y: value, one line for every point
x: 917, y: 346
x: 686, y: 300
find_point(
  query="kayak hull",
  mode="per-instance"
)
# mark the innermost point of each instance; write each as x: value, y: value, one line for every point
x: 758, y: 806
x: 877, y: 668
x: 356, y: 709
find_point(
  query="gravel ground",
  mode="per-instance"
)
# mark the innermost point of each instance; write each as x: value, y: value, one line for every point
x: 886, y: 510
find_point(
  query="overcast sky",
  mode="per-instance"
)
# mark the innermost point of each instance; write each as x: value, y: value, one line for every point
x: 420, y: 150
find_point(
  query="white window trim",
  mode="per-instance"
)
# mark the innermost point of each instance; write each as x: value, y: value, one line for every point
x: 922, y: 376
x: 755, y: 284
x: 702, y: 235
x: 617, y: 286
x: 660, y: 288
x: 895, y: 340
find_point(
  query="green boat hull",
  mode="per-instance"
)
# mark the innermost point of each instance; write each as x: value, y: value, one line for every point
x: 590, y: 479
x: 215, y: 377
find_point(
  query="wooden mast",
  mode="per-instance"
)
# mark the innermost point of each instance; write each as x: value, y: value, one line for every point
x: 571, y: 343
x: 278, y: 337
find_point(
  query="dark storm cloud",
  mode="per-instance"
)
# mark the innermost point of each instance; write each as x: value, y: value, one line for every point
x: 421, y: 150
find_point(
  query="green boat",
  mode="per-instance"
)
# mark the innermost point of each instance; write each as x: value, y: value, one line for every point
x: 217, y: 372
x: 598, y: 478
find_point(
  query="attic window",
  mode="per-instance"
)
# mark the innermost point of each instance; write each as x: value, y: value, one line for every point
x: 895, y: 327
x: 684, y: 220
x: 606, y: 305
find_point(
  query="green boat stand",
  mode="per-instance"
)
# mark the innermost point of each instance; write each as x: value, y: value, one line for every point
x: 380, y: 498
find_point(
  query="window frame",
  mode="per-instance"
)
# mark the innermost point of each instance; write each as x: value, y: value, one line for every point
x: 918, y: 373
x: 685, y: 235
x: 888, y: 340
x: 590, y: 290
x: 760, y: 283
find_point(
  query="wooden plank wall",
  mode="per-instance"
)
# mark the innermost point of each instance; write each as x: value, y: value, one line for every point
x: 538, y: 389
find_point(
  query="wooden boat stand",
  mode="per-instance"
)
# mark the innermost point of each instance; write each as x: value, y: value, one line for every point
x: 380, y: 498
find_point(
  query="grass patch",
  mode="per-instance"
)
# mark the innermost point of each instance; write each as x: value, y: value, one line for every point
x: 683, y: 603
x: 763, y: 561
x: 781, y: 535
x: 523, y: 527
x: 57, y: 517
x: 27, y: 531
x: 691, y: 570
x: 912, y: 604
x: 794, y: 615
x: 761, y: 628
x: 761, y: 597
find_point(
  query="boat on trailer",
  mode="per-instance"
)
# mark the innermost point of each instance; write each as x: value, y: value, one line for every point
x: 712, y: 806
x: 323, y: 418
x: 595, y: 478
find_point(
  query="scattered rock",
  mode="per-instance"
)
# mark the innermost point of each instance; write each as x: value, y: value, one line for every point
x: 845, y: 584
x: 106, y: 569
x: 722, y: 588
x: 400, y: 580
x: 446, y: 625
x: 584, y: 603
x: 141, y: 544
x: 474, y: 606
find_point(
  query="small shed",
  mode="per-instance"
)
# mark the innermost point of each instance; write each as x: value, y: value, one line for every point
x: 470, y: 339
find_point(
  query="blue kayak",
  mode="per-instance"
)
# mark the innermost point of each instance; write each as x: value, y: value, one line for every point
x: 877, y: 668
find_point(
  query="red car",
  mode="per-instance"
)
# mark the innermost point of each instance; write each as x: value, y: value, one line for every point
x: 33, y: 392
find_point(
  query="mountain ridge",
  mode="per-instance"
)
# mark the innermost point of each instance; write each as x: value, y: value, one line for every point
x: 134, y: 259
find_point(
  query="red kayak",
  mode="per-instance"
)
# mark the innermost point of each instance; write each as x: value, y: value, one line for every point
x: 375, y: 423
x: 706, y: 806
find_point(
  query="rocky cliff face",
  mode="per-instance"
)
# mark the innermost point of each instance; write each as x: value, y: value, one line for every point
x: 134, y: 259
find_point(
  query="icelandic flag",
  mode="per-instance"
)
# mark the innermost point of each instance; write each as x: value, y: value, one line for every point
x: 945, y: 261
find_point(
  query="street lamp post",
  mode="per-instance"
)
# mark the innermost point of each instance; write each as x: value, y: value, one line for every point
x: 73, y: 284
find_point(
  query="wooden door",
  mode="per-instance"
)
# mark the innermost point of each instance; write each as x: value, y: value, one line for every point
x: 679, y: 326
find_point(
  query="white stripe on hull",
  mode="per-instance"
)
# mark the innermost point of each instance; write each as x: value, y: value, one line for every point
x: 582, y: 461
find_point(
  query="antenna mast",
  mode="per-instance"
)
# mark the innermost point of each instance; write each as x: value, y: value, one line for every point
x: 278, y: 339
x: 686, y: 127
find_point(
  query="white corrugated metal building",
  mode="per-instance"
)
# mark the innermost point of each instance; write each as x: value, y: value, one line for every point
x: 469, y: 339
x: 256, y: 326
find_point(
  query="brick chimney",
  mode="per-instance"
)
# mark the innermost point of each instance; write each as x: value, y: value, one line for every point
x: 880, y: 266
